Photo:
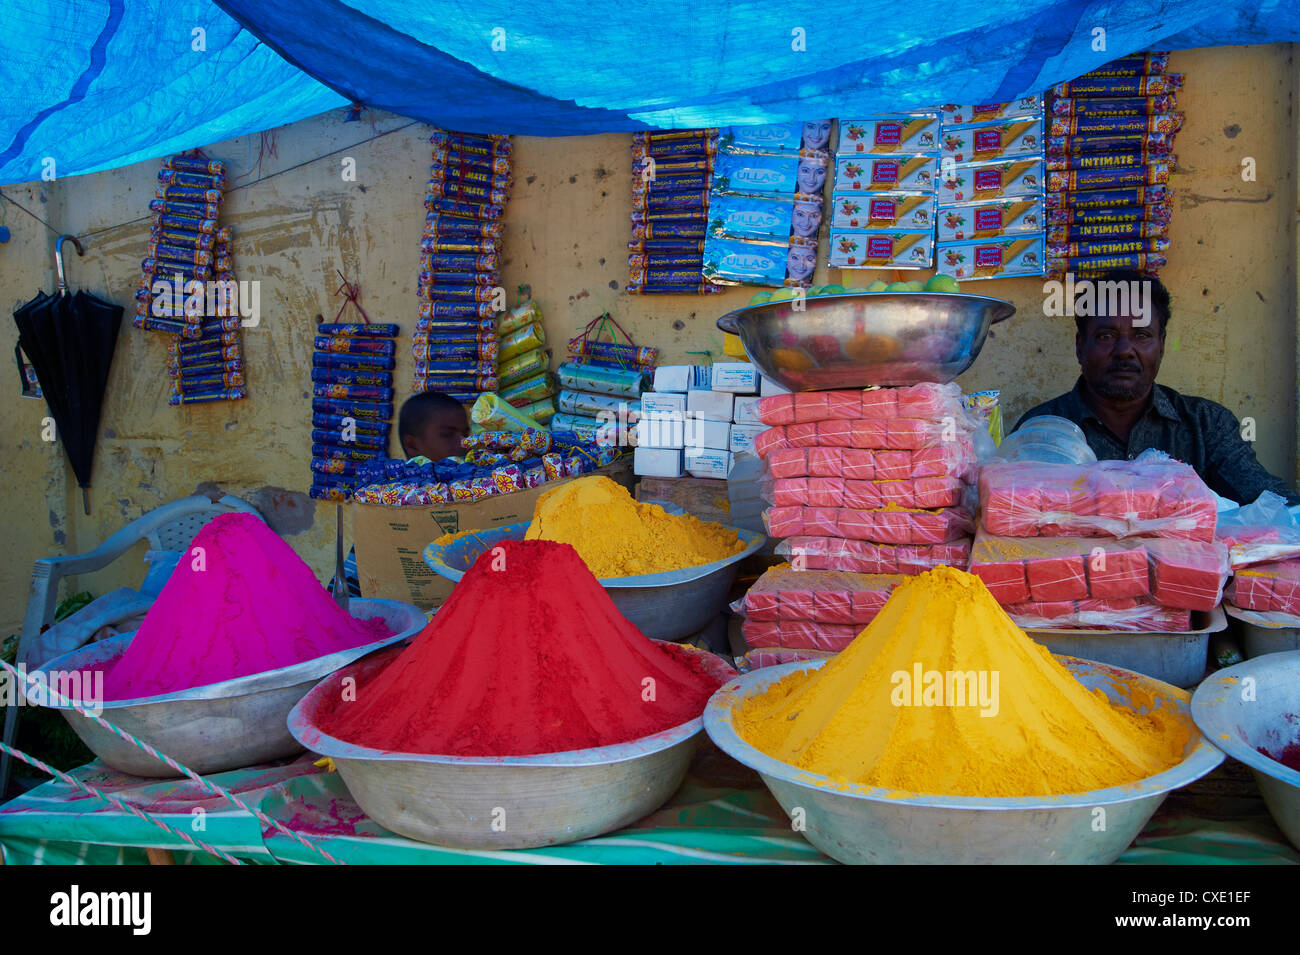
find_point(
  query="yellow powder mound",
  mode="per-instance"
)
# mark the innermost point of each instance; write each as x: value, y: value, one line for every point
x: 1045, y: 733
x: 620, y: 537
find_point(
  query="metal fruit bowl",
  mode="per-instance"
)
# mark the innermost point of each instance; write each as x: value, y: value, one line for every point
x: 219, y: 726
x: 1266, y: 718
x: 864, y: 824
x: 857, y: 339
x: 502, y: 802
x: 668, y: 606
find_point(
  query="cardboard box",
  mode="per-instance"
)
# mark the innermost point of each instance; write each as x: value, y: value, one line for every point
x: 656, y: 405
x: 742, y: 437
x: 658, y: 462
x: 738, y: 377
x: 681, y: 378
x: 390, y: 541
x: 745, y: 409
x: 715, y: 405
x: 704, y: 433
x: 708, y: 463
x: 661, y: 431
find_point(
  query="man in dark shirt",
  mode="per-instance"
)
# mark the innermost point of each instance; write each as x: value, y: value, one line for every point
x: 1121, y: 409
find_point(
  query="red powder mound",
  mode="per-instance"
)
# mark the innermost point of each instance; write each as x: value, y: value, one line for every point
x: 530, y: 658
x: 1288, y: 757
x: 245, y: 604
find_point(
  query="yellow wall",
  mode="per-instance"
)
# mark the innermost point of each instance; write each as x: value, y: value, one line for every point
x: 297, y: 220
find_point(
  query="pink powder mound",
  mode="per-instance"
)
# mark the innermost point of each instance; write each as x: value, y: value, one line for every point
x: 248, y: 606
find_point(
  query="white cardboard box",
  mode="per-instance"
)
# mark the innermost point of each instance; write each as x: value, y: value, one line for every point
x: 738, y: 377
x: 708, y: 463
x: 681, y: 378
x: 661, y: 431
x: 657, y: 462
x: 745, y: 410
x: 768, y: 387
x: 742, y: 436
x: 702, y: 433
x: 656, y: 404
x: 714, y: 405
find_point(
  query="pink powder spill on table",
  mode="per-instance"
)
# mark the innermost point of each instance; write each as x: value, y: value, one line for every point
x: 248, y: 605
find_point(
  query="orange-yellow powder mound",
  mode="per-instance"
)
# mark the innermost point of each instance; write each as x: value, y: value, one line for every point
x: 619, y: 537
x: 1045, y: 735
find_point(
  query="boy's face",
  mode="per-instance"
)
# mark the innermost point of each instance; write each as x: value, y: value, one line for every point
x: 440, y: 438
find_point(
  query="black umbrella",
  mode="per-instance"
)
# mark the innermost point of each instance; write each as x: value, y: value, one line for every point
x: 70, y: 341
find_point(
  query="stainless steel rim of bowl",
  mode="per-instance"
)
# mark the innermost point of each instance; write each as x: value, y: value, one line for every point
x: 1214, y: 723
x: 313, y: 738
x: 1202, y: 758
x: 240, y: 686
x: 1004, y: 309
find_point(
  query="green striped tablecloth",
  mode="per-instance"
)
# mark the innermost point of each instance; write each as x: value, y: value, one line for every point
x: 722, y: 814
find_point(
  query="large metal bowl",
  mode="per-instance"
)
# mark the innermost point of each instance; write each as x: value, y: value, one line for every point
x: 505, y: 802
x: 1255, y: 704
x: 858, y: 339
x: 668, y: 606
x: 864, y: 824
x: 220, y: 726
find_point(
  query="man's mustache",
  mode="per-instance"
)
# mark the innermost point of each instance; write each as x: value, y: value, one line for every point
x: 1124, y: 366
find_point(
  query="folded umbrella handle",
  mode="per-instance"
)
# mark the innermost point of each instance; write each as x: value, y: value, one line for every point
x: 58, y: 257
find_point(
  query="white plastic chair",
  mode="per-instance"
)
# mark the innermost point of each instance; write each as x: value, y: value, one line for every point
x: 169, y: 528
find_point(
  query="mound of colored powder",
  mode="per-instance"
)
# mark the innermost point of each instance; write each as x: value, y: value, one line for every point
x: 621, y: 537
x: 239, y: 602
x: 528, y: 656
x: 943, y: 694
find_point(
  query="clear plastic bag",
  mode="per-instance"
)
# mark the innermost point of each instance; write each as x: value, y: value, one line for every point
x: 775, y: 656
x: 799, y: 634
x: 950, y: 458
x: 865, y: 557
x: 1272, y: 587
x: 1136, y: 614
x: 886, y: 525
x: 1181, y: 574
x: 1265, y: 530
x: 783, y: 594
x: 925, y: 401
x: 1106, y: 499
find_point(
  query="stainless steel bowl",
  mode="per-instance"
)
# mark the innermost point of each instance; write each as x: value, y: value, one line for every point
x: 220, y: 726
x: 864, y: 824
x: 505, y: 802
x: 859, y: 339
x: 668, y: 606
x: 1254, y: 704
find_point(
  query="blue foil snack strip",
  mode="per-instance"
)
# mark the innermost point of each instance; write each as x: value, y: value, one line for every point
x: 1120, y: 85
x: 466, y: 246
x: 337, y: 422
x: 473, y: 145
x: 466, y: 192
x: 188, y: 194
x: 448, y: 224
x: 344, y: 376
x: 431, y: 312
x: 1088, y: 265
x: 334, y: 438
x: 455, y: 293
x: 197, y: 180
x: 1079, y: 180
x: 370, y: 410
x: 1114, y: 106
x: 460, y: 263
x: 354, y: 346
x: 213, y: 167
x: 1155, y: 145
x: 1138, y: 65
x: 1105, y: 246
x: 227, y: 394
x: 666, y: 245
x: 1106, y: 198
x: 467, y: 210
x: 1107, y: 230
x: 1156, y: 212
x: 199, y: 211
x: 330, y: 451
x: 679, y: 288
x: 353, y: 362
x: 454, y: 382
x: 359, y: 330
x: 1111, y: 125
x: 438, y: 279
x: 1109, y: 160
x: 664, y: 260
x: 182, y: 238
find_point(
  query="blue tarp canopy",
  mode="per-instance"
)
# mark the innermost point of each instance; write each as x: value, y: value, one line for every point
x: 95, y: 84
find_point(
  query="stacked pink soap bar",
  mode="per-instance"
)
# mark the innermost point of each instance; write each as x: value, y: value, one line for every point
x: 954, y: 458
x: 882, y: 526
x: 866, y: 557
x: 844, y: 492
x: 1105, y: 499
x: 1272, y: 587
x: 783, y: 594
x: 1112, y: 613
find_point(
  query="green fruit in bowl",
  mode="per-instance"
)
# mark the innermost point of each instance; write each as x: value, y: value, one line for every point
x: 877, y: 286
x: 914, y: 286
x: 942, y: 283
x: 897, y: 287
x: 784, y: 294
x: 833, y: 290
x: 760, y: 297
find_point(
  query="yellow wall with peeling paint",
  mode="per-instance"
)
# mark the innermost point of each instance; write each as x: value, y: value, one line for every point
x: 296, y: 221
